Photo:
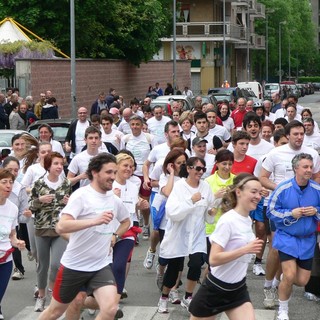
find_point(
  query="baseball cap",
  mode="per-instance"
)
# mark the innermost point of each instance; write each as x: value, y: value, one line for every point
x: 114, y: 111
x: 197, y: 140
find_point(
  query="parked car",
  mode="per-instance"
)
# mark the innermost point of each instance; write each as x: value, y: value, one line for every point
x: 59, y: 126
x: 269, y: 89
x: 210, y: 98
x: 302, y: 89
x: 316, y: 86
x: 5, y: 140
x: 166, y: 101
x: 253, y: 86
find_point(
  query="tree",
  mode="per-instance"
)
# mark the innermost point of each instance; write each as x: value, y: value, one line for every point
x: 127, y: 29
x: 299, y: 31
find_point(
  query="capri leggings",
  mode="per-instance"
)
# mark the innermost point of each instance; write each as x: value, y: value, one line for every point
x: 5, y: 273
x: 196, y: 260
x: 50, y: 251
x: 121, y: 252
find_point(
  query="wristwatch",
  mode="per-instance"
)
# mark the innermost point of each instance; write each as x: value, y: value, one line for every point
x: 117, y: 237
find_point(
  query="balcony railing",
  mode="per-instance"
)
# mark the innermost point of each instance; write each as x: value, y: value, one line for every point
x: 256, y: 42
x: 233, y: 32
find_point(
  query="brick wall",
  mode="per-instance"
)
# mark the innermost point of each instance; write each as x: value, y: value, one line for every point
x: 93, y: 76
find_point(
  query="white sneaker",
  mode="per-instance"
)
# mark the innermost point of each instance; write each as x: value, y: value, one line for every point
x: 310, y: 296
x: 269, y: 300
x: 145, y: 232
x: 30, y: 256
x: 148, y: 261
x: 258, y: 270
x: 174, y: 297
x: 91, y: 312
x: 17, y: 275
x: 124, y: 294
x: 35, y: 292
x: 163, y: 305
x: 283, y: 315
x: 40, y: 302
x: 186, y: 302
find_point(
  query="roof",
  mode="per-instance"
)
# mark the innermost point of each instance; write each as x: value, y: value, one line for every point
x: 10, y: 32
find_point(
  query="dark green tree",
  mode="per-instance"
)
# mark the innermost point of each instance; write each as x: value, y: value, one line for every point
x: 127, y: 29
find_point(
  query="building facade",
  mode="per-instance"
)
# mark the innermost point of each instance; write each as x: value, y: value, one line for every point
x: 202, y: 33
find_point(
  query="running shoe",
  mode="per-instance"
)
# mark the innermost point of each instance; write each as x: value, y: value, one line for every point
x: 186, y: 302
x: 283, y: 315
x: 124, y: 294
x: 1, y: 315
x: 163, y: 305
x: 174, y: 297
x: 258, y: 270
x: 40, y: 303
x: 35, y: 292
x: 145, y: 232
x: 17, y: 275
x: 30, y: 256
x: 91, y: 312
x: 148, y: 261
x: 269, y: 297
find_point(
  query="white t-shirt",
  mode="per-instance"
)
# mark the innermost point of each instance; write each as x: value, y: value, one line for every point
x: 232, y: 232
x: 256, y: 151
x: 185, y: 230
x: 228, y: 124
x: 312, y: 141
x: 89, y: 249
x: 57, y: 147
x: 124, y: 127
x: 159, y: 152
x: 129, y: 196
x: 280, y: 113
x: 79, y: 164
x: 278, y: 162
x: 113, y: 137
x: 156, y: 127
x: 156, y: 172
x: 221, y: 132
x: 9, y: 221
x: 210, y: 161
x: 80, y: 131
x: 259, y: 150
x: 140, y: 147
x: 35, y: 172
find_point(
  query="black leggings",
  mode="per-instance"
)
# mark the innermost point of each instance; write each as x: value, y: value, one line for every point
x: 22, y: 234
x: 196, y: 260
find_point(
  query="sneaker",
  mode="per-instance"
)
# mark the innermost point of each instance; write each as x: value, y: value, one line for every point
x: 283, y: 315
x: 186, y: 302
x: 159, y: 279
x: 269, y: 300
x: 35, y: 292
x: 91, y: 312
x: 49, y: 293
x: 310, y: 296
x: 30, y: 256
x: 137, y: 241
x: 1, y: 315
x: 119, y: 314
x: 174, y: 297
x: 17, y: 275
x: 145, y: 232
x: 258, y: 270
x: 163, y: 305
x: 40, y: 302
x: 148, y: 261
x: 124, y: 294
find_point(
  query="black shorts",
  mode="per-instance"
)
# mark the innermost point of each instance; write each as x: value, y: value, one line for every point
x: 215, y: 296
x: 69, y: 282
x: 303, y: 264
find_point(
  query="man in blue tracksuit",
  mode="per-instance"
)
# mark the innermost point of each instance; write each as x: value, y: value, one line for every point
x: 294, y: 207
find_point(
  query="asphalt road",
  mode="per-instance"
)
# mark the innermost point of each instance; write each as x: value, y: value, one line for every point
x: 143, y: 294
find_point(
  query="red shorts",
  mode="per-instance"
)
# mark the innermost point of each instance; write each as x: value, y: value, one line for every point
x: 143, y: 192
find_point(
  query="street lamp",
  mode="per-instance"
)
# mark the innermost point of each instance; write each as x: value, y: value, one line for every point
x: 248, y: 37
x: 174, y: 46
x: 280, y: 74
x: 224, y: 43
x: 267, y: 44
x: 73, y: 62
x: 289, y: 61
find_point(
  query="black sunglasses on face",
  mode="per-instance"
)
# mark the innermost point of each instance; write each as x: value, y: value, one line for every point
x: 199, y: 168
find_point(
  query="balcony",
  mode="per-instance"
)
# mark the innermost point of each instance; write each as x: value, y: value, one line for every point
x: 257, y: 42
x: 259, y: 11
x: 207, y: 31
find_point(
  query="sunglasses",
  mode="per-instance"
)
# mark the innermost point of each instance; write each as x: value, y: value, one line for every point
x: 199, y: 168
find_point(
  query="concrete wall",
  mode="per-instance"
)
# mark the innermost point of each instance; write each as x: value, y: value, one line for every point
x: 94, y: 76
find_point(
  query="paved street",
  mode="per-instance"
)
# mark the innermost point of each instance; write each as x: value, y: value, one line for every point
x: 143, y: 294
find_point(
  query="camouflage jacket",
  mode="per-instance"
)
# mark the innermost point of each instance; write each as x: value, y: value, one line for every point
x: 47, y: 214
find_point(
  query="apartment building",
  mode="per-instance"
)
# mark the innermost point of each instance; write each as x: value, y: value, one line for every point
x: 202, y: 32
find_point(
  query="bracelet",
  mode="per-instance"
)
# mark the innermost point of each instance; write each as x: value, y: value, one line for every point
x: 117, y: 237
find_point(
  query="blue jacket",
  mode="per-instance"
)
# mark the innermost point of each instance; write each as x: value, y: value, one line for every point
x: 296, y: 237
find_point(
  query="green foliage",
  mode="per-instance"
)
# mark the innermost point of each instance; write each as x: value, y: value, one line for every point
x: 309, y: 79
x: 127, y: 29
x: 298, y: 33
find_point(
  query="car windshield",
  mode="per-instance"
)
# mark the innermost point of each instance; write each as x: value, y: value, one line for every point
x: 5, y: 139
x: 59, y: 132
x: 271, y: 87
